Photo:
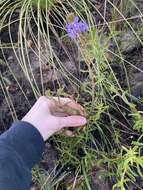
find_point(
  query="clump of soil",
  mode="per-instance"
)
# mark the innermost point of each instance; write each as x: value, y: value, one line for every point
x: 136, y: 72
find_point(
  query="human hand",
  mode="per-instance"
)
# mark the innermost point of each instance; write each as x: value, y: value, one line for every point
x: 41, y: 116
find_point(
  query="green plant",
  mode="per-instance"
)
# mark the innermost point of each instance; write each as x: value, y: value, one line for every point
x: 137, y: 121
x: 128, y: 164
x: 44, y: 4
x: 47, y: 181
x: 96, y: 84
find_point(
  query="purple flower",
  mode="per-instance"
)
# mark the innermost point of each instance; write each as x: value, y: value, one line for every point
x: 83, y: 26
x: 76, y: 19
x: 76, y: 27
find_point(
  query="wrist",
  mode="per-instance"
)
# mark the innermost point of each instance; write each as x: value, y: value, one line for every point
x: 34, y: 125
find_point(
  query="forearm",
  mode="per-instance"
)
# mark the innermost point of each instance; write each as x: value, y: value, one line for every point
x: 22, y: 145
x: 20, y: 148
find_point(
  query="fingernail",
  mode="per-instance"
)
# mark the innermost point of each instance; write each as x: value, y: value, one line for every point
x: 82, y: 121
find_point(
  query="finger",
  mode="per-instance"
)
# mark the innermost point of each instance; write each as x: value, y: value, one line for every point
x: 69, y: 103
x: 62, y: 100
x: 66, y: 133
x: 71, y: 121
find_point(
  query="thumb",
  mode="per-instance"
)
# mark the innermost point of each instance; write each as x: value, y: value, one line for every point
x: 72, y: 121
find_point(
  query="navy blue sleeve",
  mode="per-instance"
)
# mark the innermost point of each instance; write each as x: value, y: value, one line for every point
x: 21, y: 148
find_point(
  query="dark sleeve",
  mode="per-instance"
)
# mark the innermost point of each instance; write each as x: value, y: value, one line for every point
x: 21, y: 148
